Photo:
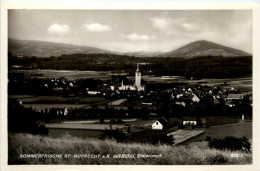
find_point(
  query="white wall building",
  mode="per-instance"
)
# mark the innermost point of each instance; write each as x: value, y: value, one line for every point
x: 157, y: 125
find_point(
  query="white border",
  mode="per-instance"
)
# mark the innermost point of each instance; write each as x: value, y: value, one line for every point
x: 112, y: 5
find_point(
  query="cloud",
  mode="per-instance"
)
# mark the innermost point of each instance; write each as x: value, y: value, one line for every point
x: 96, y: 27
x: 161, y: 23
x: 189, y: 27
x: 59, y: 29
x: 171, y: 26
x: 136, y: 37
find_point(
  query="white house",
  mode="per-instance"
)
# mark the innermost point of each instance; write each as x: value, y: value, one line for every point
x: 235, y: 97
x: 157, y: 125
x: 194, y: 98
x: 160, y: 124
x: 93, y: 92
x: 189, y: 122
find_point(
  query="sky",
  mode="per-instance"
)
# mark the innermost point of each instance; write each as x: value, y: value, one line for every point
x: 133, y: 30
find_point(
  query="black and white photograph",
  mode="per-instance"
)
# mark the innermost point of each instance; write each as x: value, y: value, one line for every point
x: 130, y: 86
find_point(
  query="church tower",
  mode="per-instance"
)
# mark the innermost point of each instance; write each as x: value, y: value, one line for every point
x: 138, y: 78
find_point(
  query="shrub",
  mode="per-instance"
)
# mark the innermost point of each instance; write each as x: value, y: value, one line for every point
x: 218, y: 159
x: 151, y: 137
x: 231, y: 143
x: 113, y: 134
x: 208, y: 138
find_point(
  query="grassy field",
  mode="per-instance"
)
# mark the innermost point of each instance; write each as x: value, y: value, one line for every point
x: 81, y: 133
x: 23, y: 147
x: 60, y: 100
x: 244, y: 84
x: 182, y: 135
x: 83, y: 126
x: 238, y: 130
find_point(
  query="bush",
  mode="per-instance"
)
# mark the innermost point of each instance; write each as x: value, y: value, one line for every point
x: 113, y: 134
x: 231, y: 143
x: 151, y: 137
x: 218, y: 159
x: 208, y: 138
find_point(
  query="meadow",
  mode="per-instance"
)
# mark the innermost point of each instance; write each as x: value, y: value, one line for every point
x: 23, y: 147
x: 238, y: 130
x: 244, y: 83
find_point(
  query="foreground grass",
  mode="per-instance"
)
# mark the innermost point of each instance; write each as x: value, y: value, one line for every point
x: 179, y: 155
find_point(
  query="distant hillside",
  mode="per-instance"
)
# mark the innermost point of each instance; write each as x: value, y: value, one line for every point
x: 204, y: 48
x: 143, y: 54
x: 47, y: 49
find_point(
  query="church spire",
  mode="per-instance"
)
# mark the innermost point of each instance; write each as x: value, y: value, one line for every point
x: 137, y: 70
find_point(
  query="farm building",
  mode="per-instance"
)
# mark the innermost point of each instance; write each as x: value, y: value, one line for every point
x: 235, y: 97
x: 160, y: 124
x: 191, y: 122
x: 93, y: 92
x: 230, y: 103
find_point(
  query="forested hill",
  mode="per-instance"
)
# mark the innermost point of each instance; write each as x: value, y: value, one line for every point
x: 205, y: 48
x: 48, y: 49
x: 200, y: 67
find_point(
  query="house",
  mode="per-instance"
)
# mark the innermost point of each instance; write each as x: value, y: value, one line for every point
x: 216, y: 101
x: 230, y: 103
x: 235, y: 97
x: 93, y: 92
x: 193, y: 98
x: 190, y: 122
x: 181, y: 103
x: 187, y: 99
x: 160, y: 124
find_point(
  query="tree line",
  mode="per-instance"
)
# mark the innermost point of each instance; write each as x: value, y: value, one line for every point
x: 198, y: 67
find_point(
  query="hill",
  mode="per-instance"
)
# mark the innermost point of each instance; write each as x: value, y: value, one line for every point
x: 90, y: 151
x: 204, y: 48
x: 48, y: 49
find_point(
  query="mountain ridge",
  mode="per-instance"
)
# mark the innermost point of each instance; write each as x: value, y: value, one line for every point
x: 48, y: 49
x: 205, y: 48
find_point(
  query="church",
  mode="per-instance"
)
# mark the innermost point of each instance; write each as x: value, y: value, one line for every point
x: 137, y: 85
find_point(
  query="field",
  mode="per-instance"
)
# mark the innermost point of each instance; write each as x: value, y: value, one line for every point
x: 181, y: 136
x: 40, y: 103
x: 83, y: 126
x: 243, y: 128
x: 59, y: 100
x: 95, y: 151
x: 80, y: 133
x: 244, y: 84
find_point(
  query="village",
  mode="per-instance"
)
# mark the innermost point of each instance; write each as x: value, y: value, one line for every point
x: 131, y: 107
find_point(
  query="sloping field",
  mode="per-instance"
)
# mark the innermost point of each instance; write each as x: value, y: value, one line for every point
x: 24, y: 147
x: 181, y: 136
x: 238, y: 130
